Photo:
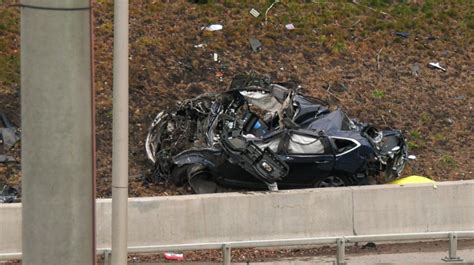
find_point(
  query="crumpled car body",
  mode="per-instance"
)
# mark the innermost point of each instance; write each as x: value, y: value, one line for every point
x: 261, y: 134
x: 9, y: 136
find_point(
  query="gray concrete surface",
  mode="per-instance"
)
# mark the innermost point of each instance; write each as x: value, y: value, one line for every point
x: 10, y: 228
x: 232, y: 216
x: 56, y: 122
x: 285, y: 214
x: 414, y: 208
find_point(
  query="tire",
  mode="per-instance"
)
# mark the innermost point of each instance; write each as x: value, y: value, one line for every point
x: 201, y: 180
x: 333, y: 181
x: 179, y: 175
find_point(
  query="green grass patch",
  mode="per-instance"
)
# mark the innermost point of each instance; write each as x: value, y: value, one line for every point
x: 439, y: 137
x: 413, y: 145
x: 425, y: 117
x: 449, y: 161
x: 415, y: 134
x: 378, y: 93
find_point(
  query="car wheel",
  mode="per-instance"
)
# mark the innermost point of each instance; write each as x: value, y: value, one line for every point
x: 202, y: 182
x: 332, y: 181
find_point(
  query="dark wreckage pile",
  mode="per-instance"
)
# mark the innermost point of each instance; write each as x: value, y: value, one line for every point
x: 260, y: 134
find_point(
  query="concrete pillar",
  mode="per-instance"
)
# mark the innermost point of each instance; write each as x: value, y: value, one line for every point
x: 120, y: 135
x: 57, y: 166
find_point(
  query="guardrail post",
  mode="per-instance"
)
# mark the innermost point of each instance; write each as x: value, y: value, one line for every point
x: 453, y: 247
x: 341, y: 251
x: 107, y: 257
x: 226, y: 254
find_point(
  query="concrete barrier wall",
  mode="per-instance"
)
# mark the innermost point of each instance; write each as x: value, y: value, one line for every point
x: 428, y: 208
x: 380, y: 209
x: 10, y: 228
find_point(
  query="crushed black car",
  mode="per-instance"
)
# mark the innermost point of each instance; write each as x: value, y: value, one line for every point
x: 261, y: 134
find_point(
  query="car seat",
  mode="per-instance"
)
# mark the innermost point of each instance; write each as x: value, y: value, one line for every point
x: 252, y: 124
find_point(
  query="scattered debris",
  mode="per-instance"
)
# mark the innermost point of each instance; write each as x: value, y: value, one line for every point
x: 9, y: 134
x: 369, y: 245
x: 356, y: 2
x: 255, y: 44
x: 252, y: 134
x: 201, y: 45
x: 213, y: 27
x: 215, y: 57
x: 355, y: 23
x: 337, y: 87
x: 268, y: 9
x: 254, y: 12
x: 378, y: 58
x: 436, y: 66
x: 8, y: 194
x: 6, y: 159
x: 402, y: 34
x: 220, y: 75
x: 290, y: 26
x: 174, y: 256
x: 415, y: 69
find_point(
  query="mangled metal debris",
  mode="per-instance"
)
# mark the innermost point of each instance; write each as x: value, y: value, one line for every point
x: 9, y: 136
x: 255, y: 44
x: 213, y: 27
x: 436, y: 66
x: 262, y: 134
x: 8, y: 194
x: 402, y: 34
x: 6, y: 159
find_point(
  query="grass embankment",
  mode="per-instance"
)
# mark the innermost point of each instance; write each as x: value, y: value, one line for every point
x: 345, y: 53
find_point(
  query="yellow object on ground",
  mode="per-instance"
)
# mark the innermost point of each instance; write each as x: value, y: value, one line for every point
x: 412, y: 180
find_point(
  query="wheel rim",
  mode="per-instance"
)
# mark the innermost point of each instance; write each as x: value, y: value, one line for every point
x: 331, y: 181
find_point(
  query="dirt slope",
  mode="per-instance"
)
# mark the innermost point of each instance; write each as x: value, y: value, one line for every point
x: 345, y: 53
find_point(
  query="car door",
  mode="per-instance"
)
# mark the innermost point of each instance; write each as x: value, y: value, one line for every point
x: 348, y: 159
x: 310, y: 158
x: 235, y: 174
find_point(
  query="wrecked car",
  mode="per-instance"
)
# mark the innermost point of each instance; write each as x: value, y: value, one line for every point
x: 260, y: 134
x: 9, y: 136
x: 8, y: 194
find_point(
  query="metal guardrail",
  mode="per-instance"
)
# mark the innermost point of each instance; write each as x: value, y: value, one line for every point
x: 340, y: 243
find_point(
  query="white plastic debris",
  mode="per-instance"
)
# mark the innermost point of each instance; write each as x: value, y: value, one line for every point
x: 201, y: 45
x: 254, y: 12
x: 213, y: 27
x: 290, y: 26
x: 215, y: 56
x: 437, y: 66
